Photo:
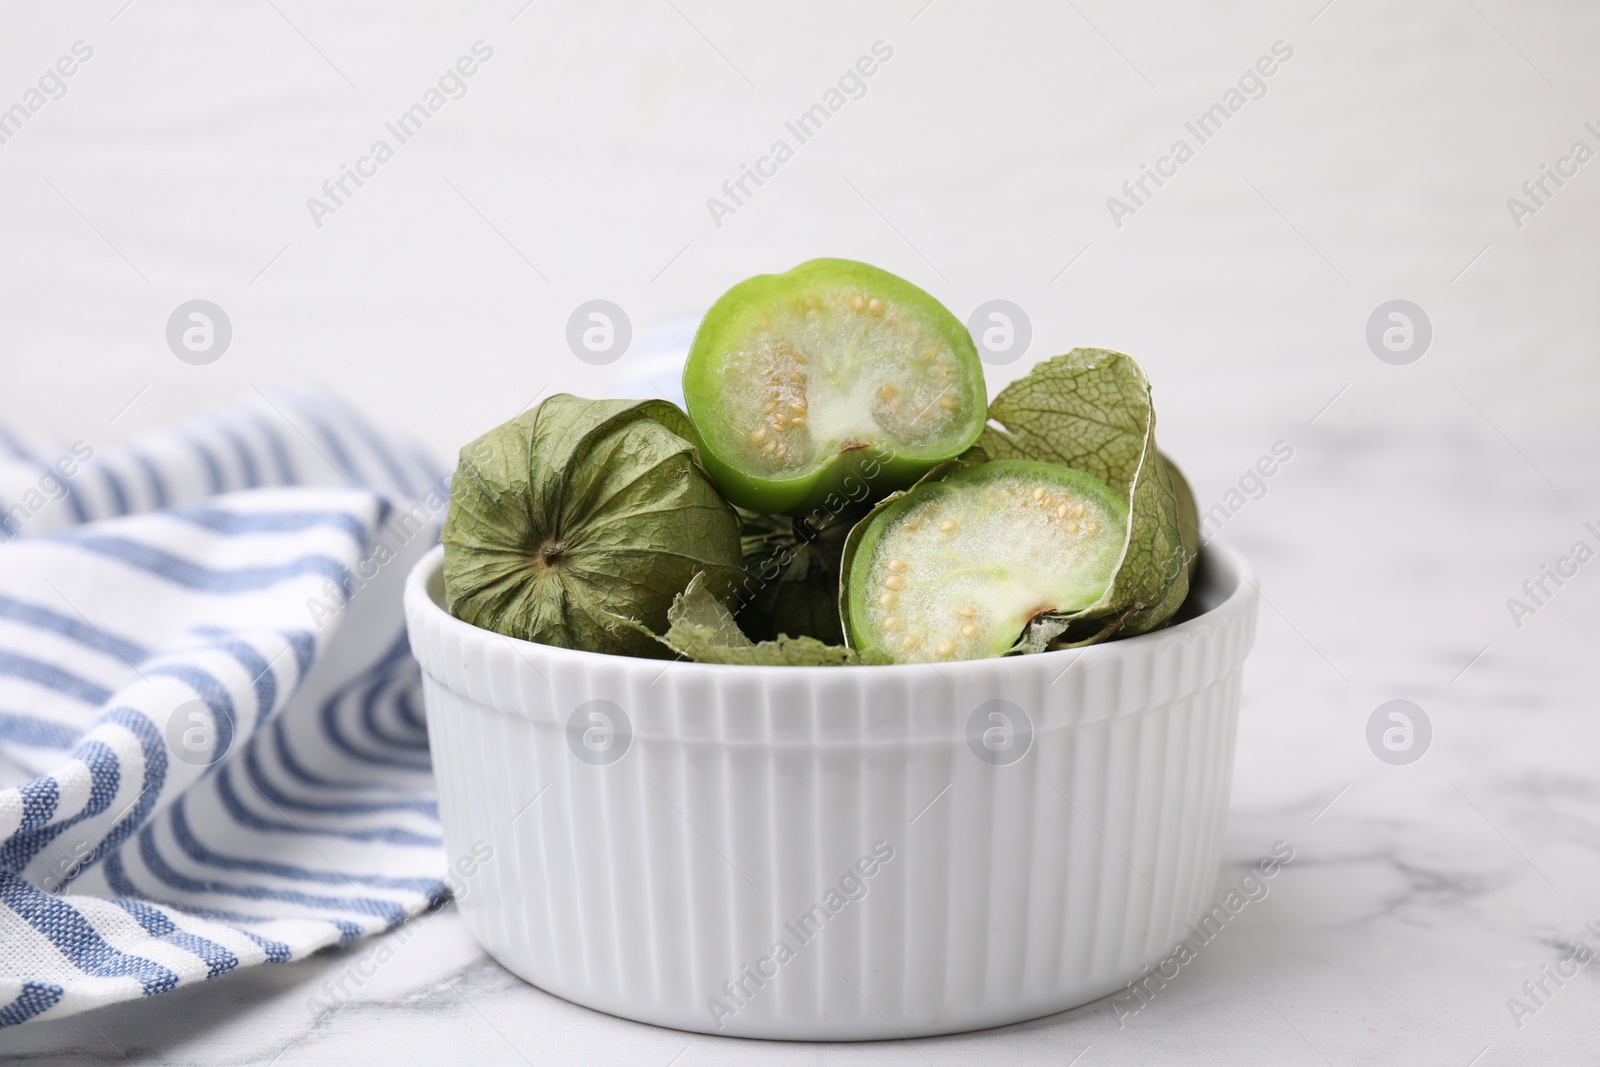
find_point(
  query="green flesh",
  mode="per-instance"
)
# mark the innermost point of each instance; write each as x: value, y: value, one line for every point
x: 799, y: 382
x: 1028, y: 538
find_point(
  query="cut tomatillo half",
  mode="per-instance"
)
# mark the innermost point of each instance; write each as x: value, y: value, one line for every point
x: 956, y: 569
x: 833, y: 376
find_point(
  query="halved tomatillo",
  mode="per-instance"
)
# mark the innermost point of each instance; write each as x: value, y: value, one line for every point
x: 955, y: 569
x: 799, y: 383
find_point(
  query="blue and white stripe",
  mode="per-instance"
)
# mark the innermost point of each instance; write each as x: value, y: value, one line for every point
x: 208, y: 589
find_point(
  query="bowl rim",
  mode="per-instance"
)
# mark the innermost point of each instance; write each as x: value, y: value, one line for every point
x: 1216, y: 561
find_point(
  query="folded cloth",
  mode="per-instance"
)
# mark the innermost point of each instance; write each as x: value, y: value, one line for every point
x: 211, y: 737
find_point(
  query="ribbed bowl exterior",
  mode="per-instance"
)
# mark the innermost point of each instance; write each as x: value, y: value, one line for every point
x: 971, y: 884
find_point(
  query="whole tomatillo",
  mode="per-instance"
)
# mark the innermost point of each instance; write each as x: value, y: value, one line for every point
x: 580, y: 513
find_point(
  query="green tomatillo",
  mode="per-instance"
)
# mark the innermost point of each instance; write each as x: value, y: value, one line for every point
x: 832, y: 373
x: 958, y: 568
x: 579, y: 522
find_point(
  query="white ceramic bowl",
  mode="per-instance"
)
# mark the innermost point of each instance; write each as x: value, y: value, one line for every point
x: 935, y: 849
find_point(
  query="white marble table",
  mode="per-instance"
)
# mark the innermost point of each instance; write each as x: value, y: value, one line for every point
x: 1420, y: 897
x: 1419, y: 498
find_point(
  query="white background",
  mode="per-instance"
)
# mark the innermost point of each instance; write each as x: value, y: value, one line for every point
x: 978, y: 164
x: 991, y: 141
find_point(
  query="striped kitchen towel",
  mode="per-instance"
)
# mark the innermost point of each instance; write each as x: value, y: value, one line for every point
x: 212, y: 751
